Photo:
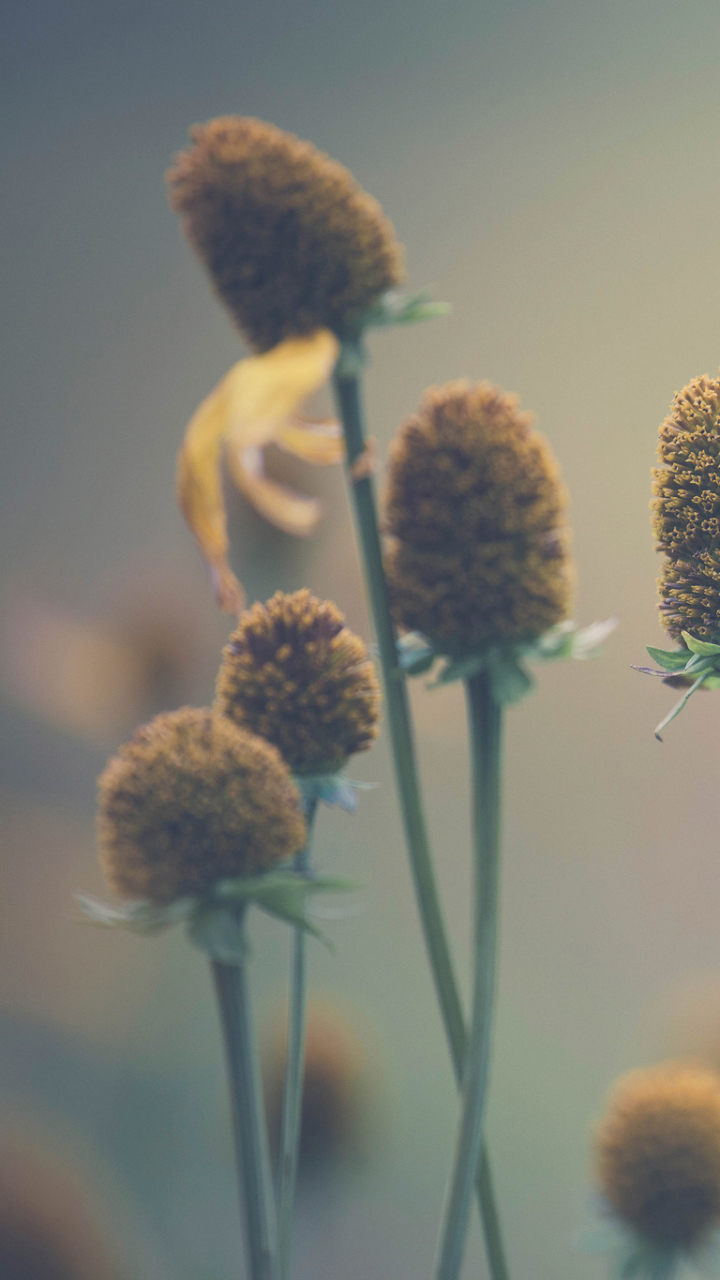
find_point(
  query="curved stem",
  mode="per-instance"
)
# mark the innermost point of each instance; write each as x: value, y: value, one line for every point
x: 347, y: 393
x: 485, y: 716
x: 290, y: 1127
x: 251, y: 1143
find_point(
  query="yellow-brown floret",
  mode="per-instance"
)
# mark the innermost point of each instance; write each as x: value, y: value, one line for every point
x: 690, y: 596
x: 296, y: 675
x: 191, y: 799
x: 291, y: 241
x: 477, y: 513
x: 686, y: 511
x: 658, y: 1154
x: 686, y: 485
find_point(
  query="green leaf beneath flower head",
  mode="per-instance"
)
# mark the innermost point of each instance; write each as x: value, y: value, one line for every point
x: 670, y: 659
x: 283, y: 894
x: 703, y: 647
x: 510, y: 681
x: 219, y: 931
x: 397, y: 308
x: 460, y: 668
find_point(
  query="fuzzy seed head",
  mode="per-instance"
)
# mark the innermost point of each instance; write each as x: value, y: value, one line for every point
x: 686, y: 511
x: 291, y: 241
x: 297, y: 676
x: 658, y: 1153
x: 191, y: 799
x: 477, y: 513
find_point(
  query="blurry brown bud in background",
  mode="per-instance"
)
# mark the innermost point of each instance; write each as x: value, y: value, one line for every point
x: 658, y: 1153
x: 478, y: 517
x: 48, y: 1225
x: 337, y: 1089
x: 291, y: 241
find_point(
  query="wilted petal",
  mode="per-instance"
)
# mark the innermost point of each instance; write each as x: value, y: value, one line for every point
x: 318, y: 441
x: 290, y: 511
x: 249, y: 407
x: 199, y: 490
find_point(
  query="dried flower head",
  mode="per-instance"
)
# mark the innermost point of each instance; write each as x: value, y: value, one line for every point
x: 477, y: 512
x: 191, y: 799
x: 686, y: 511
x: 291, y: 241
x: 297, y: 676
x: 658, y: 1154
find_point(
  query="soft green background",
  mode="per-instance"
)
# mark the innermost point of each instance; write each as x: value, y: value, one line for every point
x: 554, y: 171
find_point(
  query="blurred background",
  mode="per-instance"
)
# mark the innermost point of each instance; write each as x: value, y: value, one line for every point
x: 553, y: 170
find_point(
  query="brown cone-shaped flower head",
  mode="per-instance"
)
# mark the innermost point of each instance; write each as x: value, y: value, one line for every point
x: 296, y: 675
x: 658, y: 1153
x: 686, y: 511
x: 291, y: 241
x: 191, y: 799
x: 477, y: 513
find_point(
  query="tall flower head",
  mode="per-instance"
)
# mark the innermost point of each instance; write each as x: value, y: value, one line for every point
x: 297, y: 676
x: 191, y: 799
x: 658, y: 1155
x: 686, y: 511
x: 477, y: 513
x: 291, y: 241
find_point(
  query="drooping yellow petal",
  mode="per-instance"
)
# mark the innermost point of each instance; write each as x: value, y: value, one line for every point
x: 267, y: 390
x: 318, y: 441
x: 248, y: 408
x: 290, y: 511
x: 199, y: 490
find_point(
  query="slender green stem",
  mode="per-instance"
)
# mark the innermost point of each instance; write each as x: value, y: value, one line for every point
x: 485, y: 716
x: 294, y: 1076
x: 347, y: 392
x: 251, y: 1143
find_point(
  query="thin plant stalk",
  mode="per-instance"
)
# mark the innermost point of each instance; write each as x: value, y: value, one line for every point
x: 348, y: 398
x: 485, y: 716
x: 291, y: 1122
x: 249, y: 1125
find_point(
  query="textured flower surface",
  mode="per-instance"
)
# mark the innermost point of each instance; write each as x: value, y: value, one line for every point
x: 297, y: 676
x: 477, y: 513
x: 686, y: 511
x: 189, y: 800
x: 658, y: 1155
x: 292, y: 243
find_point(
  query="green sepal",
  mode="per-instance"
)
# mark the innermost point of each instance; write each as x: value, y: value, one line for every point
x: 283, y: 894
x: 567, y: 640
x: 138, y: 917
x: 398, y: 308
x: 460, y: 668
x: 702, y: 647
x: 331, y: 788
x: 220, y: 933
x: 701, y: 678
x: 669, y: 659
x: 510, y: 681
x: 213, y: 920
x: 415, y: 653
